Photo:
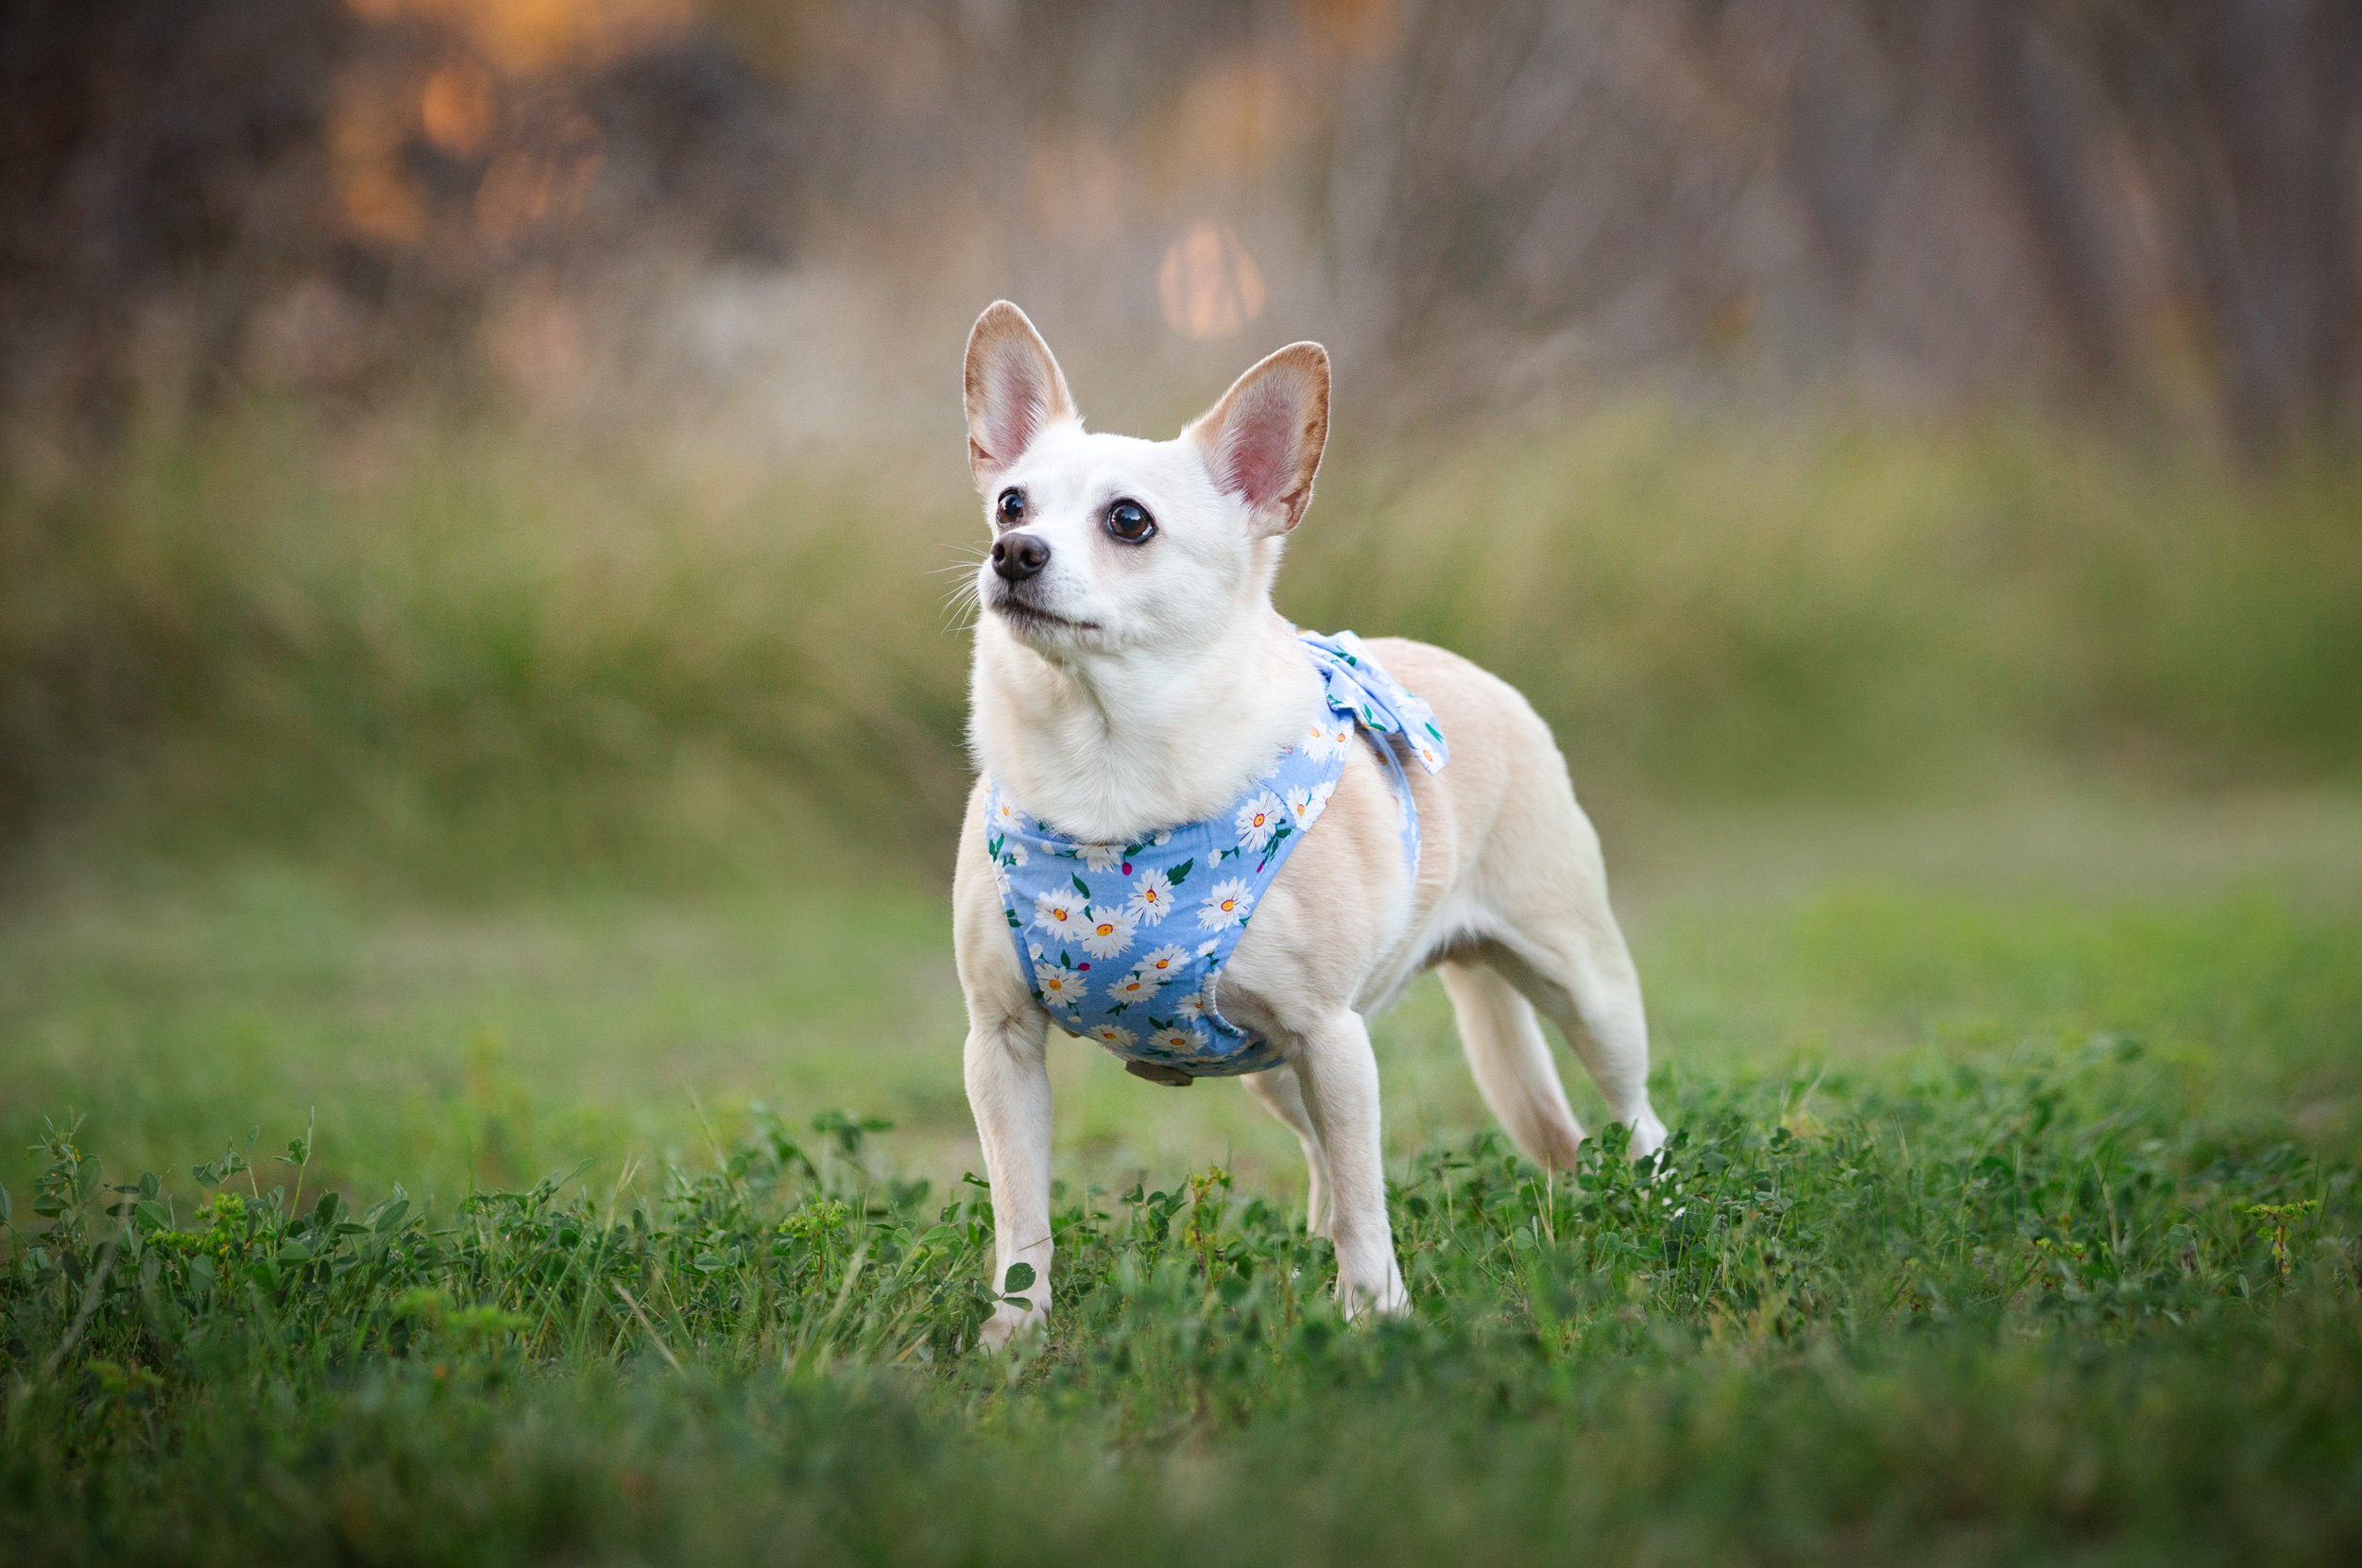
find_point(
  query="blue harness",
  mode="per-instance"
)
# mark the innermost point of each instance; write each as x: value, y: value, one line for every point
x: 1123, y: 943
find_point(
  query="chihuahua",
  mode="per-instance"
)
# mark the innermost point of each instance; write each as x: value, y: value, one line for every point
x: 1130, y: 677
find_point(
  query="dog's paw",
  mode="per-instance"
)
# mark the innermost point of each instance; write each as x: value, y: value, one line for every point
x: 1647, y: 1135
x: 1011, y: 1325
x: 1378, y: 1297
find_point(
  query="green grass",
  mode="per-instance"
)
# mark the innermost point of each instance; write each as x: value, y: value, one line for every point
x: 2015, y: 1218
x: 1995, y: 1308
x: 509, y: 1038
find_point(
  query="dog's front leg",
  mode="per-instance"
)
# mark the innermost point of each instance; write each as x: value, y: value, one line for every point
x: 1340, y: 1077
x: 1009, y: 1092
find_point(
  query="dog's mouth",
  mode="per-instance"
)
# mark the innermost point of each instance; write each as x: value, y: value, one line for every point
x: 1025, y: 617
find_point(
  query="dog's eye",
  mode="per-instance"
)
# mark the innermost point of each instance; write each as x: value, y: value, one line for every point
x: 1129, y: 522
x: 1012, y: 508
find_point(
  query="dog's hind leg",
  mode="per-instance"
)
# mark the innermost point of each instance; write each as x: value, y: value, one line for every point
x: 1512, y: 1063
x: 1282, y: 1094
x: 1579, y: 974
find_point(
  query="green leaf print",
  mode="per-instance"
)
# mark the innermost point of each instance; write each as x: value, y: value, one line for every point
x: 1081, y: 886
x: 1180, y: 874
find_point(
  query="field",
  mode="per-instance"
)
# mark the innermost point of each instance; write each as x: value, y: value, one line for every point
x: 2013, y: 1215
x: 478, y: 1050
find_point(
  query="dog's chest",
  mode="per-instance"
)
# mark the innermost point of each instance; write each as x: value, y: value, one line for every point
x: 1125, y: 942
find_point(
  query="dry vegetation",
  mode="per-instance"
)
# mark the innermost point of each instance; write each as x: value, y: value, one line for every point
x: 481, y: 652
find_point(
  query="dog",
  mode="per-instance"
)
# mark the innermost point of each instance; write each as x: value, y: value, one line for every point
x: 1131, y: 674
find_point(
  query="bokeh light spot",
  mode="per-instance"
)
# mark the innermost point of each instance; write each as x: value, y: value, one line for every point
x: 1210, y: 287
x: 457, y: 108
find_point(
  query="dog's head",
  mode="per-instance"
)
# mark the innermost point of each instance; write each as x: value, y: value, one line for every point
x: 1110, y: 543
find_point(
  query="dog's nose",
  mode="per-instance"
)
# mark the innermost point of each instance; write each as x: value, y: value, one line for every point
x: 1017, y: 556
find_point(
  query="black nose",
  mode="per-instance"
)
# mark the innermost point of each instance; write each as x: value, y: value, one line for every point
x: 1017, y: 556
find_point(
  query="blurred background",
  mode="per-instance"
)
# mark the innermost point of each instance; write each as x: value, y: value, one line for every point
x: 481, y: 483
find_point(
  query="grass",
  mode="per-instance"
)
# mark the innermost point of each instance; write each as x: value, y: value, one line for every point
x: 506, y: 1039
x: 1990, y: 1307
x: 2015, y: 1218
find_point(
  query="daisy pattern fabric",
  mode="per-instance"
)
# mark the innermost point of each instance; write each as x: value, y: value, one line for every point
x: 1124, y: 943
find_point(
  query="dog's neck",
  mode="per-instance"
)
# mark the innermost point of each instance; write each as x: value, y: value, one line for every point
x: 1109, y: 747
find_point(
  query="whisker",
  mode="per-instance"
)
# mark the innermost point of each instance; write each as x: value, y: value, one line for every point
x: 962, y: 605
x: 964, y: 601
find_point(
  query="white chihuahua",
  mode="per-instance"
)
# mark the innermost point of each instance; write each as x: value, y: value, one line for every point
x: 1132, y: 677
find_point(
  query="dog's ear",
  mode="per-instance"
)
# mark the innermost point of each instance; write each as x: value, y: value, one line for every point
x: 1262, y: 442
x: 1015, y: 390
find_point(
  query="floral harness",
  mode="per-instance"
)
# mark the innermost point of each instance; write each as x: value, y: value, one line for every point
x: 1123, y: 943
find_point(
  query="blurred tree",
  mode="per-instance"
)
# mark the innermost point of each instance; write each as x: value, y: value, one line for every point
x: 197, y: 197
x: 1944, y: 198
x: 147, y: 144
x: 1991, y: 189
x: 2245, y: 117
